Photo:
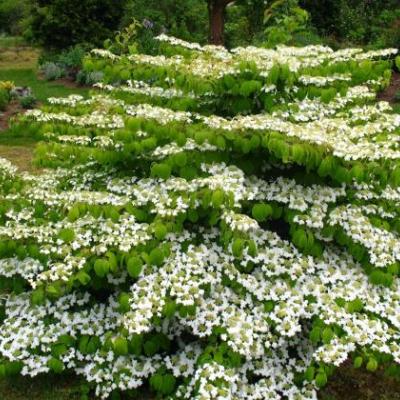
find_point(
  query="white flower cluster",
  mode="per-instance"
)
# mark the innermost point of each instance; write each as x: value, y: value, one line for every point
x: 139, y: 87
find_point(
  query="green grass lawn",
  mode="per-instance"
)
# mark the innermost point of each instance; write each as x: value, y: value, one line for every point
x: 19, y: 64
x: 41, y: 89
x: 11, y: 41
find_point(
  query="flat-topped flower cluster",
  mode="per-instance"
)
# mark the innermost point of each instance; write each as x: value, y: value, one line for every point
x: 181, y: 241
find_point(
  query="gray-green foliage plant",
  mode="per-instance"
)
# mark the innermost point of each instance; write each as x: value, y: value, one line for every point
x: 52, y: 71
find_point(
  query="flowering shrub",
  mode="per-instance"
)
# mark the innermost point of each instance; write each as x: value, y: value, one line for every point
x: 212, y: 257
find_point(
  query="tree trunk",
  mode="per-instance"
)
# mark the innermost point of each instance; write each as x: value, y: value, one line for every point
x: 216, y: 13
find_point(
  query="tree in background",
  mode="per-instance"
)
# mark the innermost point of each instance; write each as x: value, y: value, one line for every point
x: 184, y: 19
x: 59, y: 24
x: 192, y: 19
x: 216, y: 15
x: 12, y: 13
x: 240, y: 24
x: 374, y: 22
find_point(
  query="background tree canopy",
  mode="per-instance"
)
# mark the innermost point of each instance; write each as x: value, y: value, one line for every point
x: 63, y: 23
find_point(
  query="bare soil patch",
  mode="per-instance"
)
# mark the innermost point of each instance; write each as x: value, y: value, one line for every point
x: 389, y: 94
x: 359, y: 384
x: 13, y: 109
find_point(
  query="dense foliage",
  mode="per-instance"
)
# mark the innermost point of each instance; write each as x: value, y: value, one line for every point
x: 185, y: 19
x: 12, y: 16
x: 213, y: 257
x: 358, y: 21
x: 62, y: 23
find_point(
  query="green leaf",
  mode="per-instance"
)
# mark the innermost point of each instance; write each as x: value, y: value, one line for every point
x: 101, y: 267
x: 168, y: 384
x: 58, y: 349
x: 156, y: 257
x: 315, y: 335
x: 38, y: 296
x: 150, y: 348
x: 252, y: 248
x: 321, y: 379
x: 372, y: 364
x: 261, y: 211
x: 327, y: 166
x: 73, y: 214
x: 120, y: 346
x: 83, y: 343
x: 355, y: 306
x: 300, y: 238
x: 83, y: 278
x: 123, y: 300
x: 395, y: 177
x: 53, y: 290
x: 180, y: 159
x: 299, y: 153
x: 358, y: 362
x: 135, y: 266
x: 93, y: 345
x: 357, y: 173
x: 160, y: 231
x: 238, y: 247
x: 55, y: 365
x: 217, y: 198
x: 377, y: 277
x: 327, y: 335
x: 13, y: 368
x: 169, y: 309
x: 309, y: 374
x: 67, y: 235
x: 156, y: 382
x: 249, y: 87
x: 135, y: 345
x: 162, y: 171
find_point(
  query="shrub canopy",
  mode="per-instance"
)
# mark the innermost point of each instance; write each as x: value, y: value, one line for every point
x: 224, y: 225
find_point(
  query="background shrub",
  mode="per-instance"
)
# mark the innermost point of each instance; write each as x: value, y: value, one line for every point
x: 52, y: 71
x: 360, y: 21
x: 12, y: 12
x: 185, y: 19
x: 28, y: 102
x: 58, y: 24
x: 89, y: 78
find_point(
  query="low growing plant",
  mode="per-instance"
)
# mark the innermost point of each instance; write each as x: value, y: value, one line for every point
x: 4, y: 99
x: 28, y: 102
